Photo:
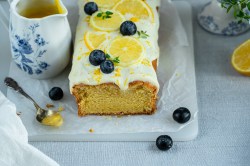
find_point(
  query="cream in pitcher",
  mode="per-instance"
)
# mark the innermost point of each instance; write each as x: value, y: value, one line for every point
x: 40, y: 37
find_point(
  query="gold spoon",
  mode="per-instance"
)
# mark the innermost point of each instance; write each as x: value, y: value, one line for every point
x: 46, y: 117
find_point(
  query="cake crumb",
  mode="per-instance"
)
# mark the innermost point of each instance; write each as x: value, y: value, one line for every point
x: 91, y: 130
x: 50, y: 106
x: 60, y: 108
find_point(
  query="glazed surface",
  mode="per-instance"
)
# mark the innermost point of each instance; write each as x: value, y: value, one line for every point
x: 84, y: 73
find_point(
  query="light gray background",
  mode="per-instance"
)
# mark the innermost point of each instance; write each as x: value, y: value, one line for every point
x: 224, y: 117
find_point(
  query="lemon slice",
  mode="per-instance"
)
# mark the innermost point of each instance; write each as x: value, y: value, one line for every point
x: 137, y: 8
x: 107, y: 24
x: 241, y: 58
x: 105, y: 3
x: 94, y: 40
x: 128, y: 49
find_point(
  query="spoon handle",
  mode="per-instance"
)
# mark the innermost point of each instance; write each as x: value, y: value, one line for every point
x: 10, y: 82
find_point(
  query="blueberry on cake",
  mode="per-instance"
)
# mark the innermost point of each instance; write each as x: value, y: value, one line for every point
x: 115, y: 57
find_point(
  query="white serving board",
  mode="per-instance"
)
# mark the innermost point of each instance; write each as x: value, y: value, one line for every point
x: 187, y: 133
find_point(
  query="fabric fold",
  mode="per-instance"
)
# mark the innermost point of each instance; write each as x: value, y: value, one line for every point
x: 15, y: 149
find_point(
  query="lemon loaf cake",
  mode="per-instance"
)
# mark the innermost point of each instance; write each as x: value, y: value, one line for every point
x: 115, y: 57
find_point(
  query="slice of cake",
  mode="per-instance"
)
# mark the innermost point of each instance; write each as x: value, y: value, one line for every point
x: 115, y: 57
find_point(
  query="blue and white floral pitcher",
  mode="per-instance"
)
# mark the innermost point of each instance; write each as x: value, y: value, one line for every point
x: 40, y: 46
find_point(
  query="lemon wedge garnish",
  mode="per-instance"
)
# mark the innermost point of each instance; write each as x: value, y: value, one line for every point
x: 138, y: 8
x: 241, y: 58
x: 105, y: 3
x: 94, y: 40
x: 128, y: 49
x: 107, y: 24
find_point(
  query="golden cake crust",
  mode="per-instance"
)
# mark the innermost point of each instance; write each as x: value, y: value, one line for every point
x: 81, y: 111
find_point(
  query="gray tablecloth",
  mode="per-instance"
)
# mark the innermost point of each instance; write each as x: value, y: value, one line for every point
x: 224, y: 117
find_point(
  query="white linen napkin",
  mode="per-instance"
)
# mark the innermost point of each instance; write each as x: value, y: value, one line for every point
x: 15, y: 150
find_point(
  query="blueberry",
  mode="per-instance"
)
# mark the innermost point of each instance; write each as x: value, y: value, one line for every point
x: 90, y: 8
x: 181, y: 115
x: 164, y: 142
x: 56, y: 93
x: 128, y: 28
x: 107, y: 67
x: 96, y: 57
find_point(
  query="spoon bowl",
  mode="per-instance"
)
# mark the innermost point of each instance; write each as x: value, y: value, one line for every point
x: 46, y: 117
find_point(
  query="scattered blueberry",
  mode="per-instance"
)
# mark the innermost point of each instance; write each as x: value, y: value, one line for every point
x: 96, y: 57
x: 90, y: 8
x: 107, y: 67
x: 128, y: 28
x: 56, y: 93
x: 181, y: 115
x: 164, y: 142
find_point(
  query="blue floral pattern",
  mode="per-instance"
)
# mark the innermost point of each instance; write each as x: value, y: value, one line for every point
x: 233, y: 28
x: 26, y: 57
x: 208, y: 23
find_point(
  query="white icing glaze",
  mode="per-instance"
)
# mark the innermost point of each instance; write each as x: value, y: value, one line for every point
x: 83, y: 72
